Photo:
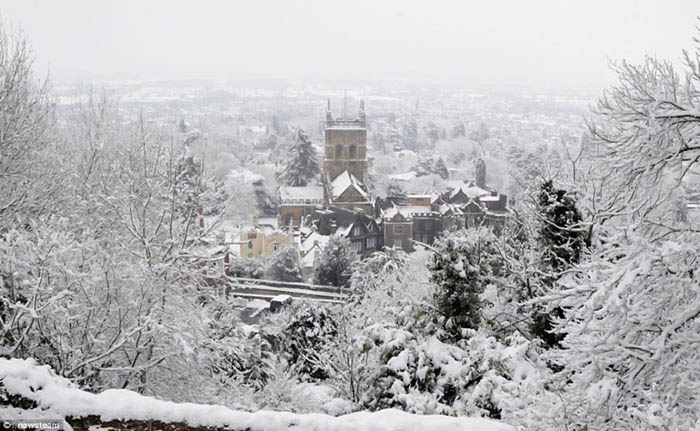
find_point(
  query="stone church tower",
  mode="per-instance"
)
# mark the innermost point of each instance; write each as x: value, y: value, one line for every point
x: 346, y: 145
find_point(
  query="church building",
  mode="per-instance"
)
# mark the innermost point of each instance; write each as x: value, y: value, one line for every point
x: 345, y: 162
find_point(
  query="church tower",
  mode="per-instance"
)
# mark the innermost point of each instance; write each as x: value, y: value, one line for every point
x: 346, y: 145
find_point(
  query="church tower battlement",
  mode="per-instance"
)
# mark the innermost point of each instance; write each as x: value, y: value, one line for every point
x: 345, y: 145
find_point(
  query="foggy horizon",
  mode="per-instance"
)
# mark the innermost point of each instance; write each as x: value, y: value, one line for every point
x: 545, y: 46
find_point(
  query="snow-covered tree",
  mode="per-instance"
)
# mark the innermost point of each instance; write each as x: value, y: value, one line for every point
x: 631, y: 345
x: 463, y: 265
x: 631, y: 348
x: 27, y: 181
x: 334, y: 265
x: 301, y: 166
x: 284, y: 265
x: 311, y: 329
x: 246, y: 268
x: 431, y: 165
x: 480, y: 173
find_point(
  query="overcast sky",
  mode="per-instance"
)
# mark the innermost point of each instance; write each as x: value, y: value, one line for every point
x: 540, y: 45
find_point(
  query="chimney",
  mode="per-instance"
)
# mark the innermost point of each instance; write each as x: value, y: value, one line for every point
x: 502, y: 202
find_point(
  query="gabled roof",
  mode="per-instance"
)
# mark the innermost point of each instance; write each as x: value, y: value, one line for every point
x: 314, y: 237
x: 470, y: 189
x: 343, y: 182
x: 393, y: 212
x: 449, y: 208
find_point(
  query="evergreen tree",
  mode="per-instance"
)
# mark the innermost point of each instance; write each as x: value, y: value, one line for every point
x: 480, y: 173
x: 301, y: 166
x: 561, y: 238
x: 560, y: 242
x: 312, y: 328
x: 440, y: 168
x: 410, y: 135
x: 395, y: 190
x: 284, y: 265
x: 246, y: 268
x: 266, y: 205
x: 461, y: 267
x: 334, y: 265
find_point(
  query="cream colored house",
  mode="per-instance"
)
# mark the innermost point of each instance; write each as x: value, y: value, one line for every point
x: 263, y: 240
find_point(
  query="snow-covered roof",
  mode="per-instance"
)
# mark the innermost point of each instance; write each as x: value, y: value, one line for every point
x: 390, y: 213
x: 343, y: 230
x: 315, y: 194
x: 407, y: 211
x: 308, y: 260
x: 245, y: 176
x: 344, y: 181
x: 470, y: 189
x: 404, y: 176
x: 444, y: 208
x: 308, y: 242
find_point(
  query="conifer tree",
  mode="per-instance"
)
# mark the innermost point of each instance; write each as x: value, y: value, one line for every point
x: 480, y: 173
x: 333, y: 267
x: 561, y: 243
x: 560, y: 238
x: 284, y: 265
x: 440, y: 168
x: 461, y: 267
x: 301, y: 166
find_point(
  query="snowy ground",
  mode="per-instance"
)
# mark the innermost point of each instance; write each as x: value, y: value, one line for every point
x: 57, y: 397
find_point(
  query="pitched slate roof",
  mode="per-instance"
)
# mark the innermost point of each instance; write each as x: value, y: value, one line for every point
x: 344, y: 181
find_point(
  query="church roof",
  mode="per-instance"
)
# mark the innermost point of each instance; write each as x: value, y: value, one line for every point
x: 470, y: 189
x: 344, y: 181
x: 314, y: 193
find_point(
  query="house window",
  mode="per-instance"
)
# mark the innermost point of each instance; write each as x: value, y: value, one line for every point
x: 357, y: 231
x: 250, y: 244
x: 398, y: 229
x: 352, y: 151
x: 357, y: 246
x: 250, y: 255
x: 371, y: 242
x: 275, y: 245
x: 338, y: 151
x: 397, y: 243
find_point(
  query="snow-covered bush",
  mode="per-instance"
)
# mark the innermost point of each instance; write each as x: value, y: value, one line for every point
x: 285, y: 266
x: 305, y: 337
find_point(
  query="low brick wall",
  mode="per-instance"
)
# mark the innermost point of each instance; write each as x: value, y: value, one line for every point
x: 84, y: 424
